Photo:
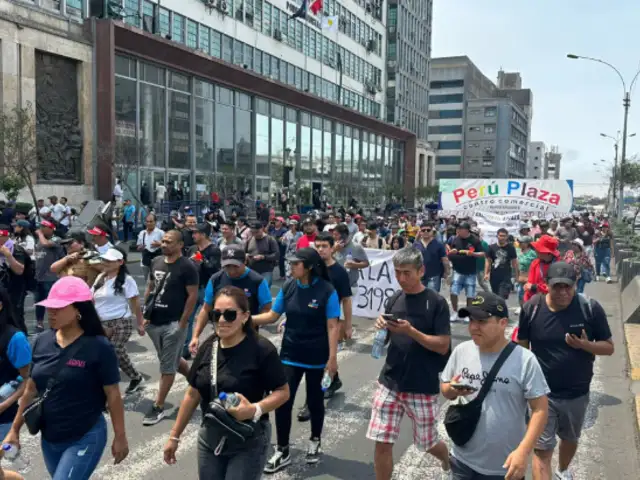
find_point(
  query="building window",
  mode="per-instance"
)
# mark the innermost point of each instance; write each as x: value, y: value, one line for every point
x: 491, y: 128
x: 450, y: 145
x: 490, y: 112
x: 455, y: 174
x: 445, y: 114
x: 178, y: 28
x: 441, y: 129
x: 436, y: 84
x: 474, y: 129
x: 192, y: 34
x: 448, y: 159
x: 450, y: 98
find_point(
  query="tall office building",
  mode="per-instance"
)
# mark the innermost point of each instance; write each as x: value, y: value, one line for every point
x: 536, y: 159
x: 408, y: 53
x: 552, y: 160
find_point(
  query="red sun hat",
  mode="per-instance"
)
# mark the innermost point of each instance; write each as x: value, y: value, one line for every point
x: 546, y: 244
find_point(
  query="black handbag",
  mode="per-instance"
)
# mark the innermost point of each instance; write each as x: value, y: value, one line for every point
x: 150, y: 302
x: 461, y: 420
x: 228, y: 434
x: 33, y: 414
x: 147, y: 256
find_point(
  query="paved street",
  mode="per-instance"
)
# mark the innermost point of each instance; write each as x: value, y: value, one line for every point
x: 608, y: 449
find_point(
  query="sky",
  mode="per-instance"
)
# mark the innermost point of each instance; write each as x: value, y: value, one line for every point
x: 573, y: 100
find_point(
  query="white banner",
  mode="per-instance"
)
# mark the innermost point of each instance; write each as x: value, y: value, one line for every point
x: 490, y: 223
x: 506, y: 195
x: 377, y: 283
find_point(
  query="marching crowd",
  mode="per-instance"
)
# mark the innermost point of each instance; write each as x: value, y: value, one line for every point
x: 508, y: 402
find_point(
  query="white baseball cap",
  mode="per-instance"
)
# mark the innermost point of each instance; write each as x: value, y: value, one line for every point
x: 112, y: 255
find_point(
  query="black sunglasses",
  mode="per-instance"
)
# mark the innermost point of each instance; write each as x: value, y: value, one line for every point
x: 425, y: 230
x: 228, y: 315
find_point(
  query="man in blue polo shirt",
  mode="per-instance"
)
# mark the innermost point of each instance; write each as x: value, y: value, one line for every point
x: 234, y: 273
x: 436, y: 263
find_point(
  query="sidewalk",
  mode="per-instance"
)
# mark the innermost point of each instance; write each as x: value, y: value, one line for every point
x: 614, y: 427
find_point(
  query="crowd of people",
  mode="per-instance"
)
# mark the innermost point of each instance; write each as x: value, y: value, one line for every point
x: 218, y: 272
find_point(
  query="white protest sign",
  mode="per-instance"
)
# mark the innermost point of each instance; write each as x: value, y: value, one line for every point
x: 489, y: 224
x: 376, y: 284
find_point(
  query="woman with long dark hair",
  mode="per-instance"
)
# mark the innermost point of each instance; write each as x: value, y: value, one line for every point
x: 74, y: 363
x: 309, y: 346
x: 115, y: 293
x: 248, y: 365
x: 24, y: 237
x: 16, y: 351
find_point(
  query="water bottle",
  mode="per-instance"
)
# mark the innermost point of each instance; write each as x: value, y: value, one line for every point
x: 378, y: 343
x: 12, y: 454
x: 229, y: 400
x: 9, y: 388
x: 349, y: 258
x: 326, y: 381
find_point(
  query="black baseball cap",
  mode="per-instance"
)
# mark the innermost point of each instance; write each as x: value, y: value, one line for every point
x: 256, y: 225
x: 233, y: 255
x: 203, y: 228
x: 464, y: 226
x: 561, y: 272
x: 308, y: 256
x: 485, y: 305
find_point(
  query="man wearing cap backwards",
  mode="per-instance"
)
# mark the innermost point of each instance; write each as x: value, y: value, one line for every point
x: 463, y: 250
x: 262, y: 252
x: 47, y: 252
x: 234, y: 273
x: 173, y: 282
x: 565, y: 331
x: 502, y: 442
x: 99, y: 239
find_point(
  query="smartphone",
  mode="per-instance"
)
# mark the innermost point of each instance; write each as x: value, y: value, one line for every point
x: 390, y: 318
x: 462, y: 386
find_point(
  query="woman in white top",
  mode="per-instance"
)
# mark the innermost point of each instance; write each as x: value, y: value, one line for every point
x: 115, y: 294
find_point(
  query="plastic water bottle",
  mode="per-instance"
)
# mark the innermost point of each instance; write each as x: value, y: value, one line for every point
x: 349, y: 258
x: 378, y: 343
x: 9, y: 388
x: 229, y: 400
x: 12, y: 454
x: 326, y: 381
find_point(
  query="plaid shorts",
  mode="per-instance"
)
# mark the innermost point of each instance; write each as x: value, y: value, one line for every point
x: 388, y: 409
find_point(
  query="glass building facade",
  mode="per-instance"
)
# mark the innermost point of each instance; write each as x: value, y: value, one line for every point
x: 207, y: 138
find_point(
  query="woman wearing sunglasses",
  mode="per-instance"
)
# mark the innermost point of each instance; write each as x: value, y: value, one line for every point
x: 248, y: 365
x: 309, y: 346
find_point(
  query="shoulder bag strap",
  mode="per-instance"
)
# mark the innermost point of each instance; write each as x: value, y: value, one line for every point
x: 486, y: 386
x: 214, y: 368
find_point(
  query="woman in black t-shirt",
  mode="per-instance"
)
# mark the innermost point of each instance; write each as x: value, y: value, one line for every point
x: 249, y: 366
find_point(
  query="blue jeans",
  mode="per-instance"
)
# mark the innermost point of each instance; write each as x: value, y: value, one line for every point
x: 41, y: 293
x: 580, y: 286
x: 78, y: 459
x: 192, y: 319
x: 603, y: 261
x: 464, y: 282
x: 434, y: 283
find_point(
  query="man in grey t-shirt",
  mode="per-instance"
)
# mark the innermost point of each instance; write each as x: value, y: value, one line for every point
x: 47, y: 251
x: 348, y: 254
x: 502, y: 441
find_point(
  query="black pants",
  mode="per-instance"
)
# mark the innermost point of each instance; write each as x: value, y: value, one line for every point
x: 283, y: 252
x: 315, y: 402
x: 501, y: 286
x: 127, y: 228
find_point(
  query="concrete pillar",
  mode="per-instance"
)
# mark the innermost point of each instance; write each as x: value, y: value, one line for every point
x: 9, y: 72
x: 27, y: 75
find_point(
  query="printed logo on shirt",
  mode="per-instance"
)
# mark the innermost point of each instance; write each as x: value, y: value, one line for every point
x: 314, y: 304
x: 76, y: 363
x: 471, y: 377
x: 247, y: 293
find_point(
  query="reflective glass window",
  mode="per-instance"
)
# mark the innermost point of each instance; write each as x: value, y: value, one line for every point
x: 224, y: 139
x: 244, y: 144
x: 262, y: 145
x: 204, y: 134
x: 152, y: 125
x: 179, y: 145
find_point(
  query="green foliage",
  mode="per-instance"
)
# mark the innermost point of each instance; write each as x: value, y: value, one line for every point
x: 428, y: 192
x: 11, y: 185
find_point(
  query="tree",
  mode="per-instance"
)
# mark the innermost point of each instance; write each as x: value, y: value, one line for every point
x: 11, y: 185
x: 18, y: 146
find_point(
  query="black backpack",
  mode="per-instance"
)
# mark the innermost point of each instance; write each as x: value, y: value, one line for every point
x: 532, y: 307
x: 432, y: 296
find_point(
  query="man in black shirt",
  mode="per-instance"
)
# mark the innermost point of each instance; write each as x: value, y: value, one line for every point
x: 419, y: 345
x: 565, y: 331
x: 462, y: 250
x: 206, y: 257
x: 13, y: 259
x: 502, y: 262
x: 173, y: 292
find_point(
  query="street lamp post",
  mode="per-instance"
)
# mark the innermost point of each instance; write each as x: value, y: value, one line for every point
x: 616, y: 143
x: 626, y: 103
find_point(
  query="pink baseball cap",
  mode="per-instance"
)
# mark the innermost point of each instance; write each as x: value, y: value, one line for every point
x: 66, y: 291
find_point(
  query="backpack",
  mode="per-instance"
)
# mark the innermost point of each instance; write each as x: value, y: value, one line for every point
x: 29, y: 274
x: 532, y: 307
x: 431, y: 296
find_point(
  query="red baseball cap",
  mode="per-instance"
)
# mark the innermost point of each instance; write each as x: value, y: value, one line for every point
x: 295, y: 217
x: 97, y: 231
x: 48, y: 224
x: 4, y: 233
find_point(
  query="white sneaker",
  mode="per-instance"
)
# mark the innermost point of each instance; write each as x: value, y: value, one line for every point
x: 609, y: 280
x: 465, y: 320
x: 597, y: 278
x: 517, y: 311
x: 454, y: 317
x: 566, y: 475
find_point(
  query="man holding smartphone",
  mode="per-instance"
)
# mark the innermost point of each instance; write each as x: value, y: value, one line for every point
x: 502, y: 442
x: 417, y: 321
x: 565, y: 331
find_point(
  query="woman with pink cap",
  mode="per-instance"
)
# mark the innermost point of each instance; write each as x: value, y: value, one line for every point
x: 75, y: 372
